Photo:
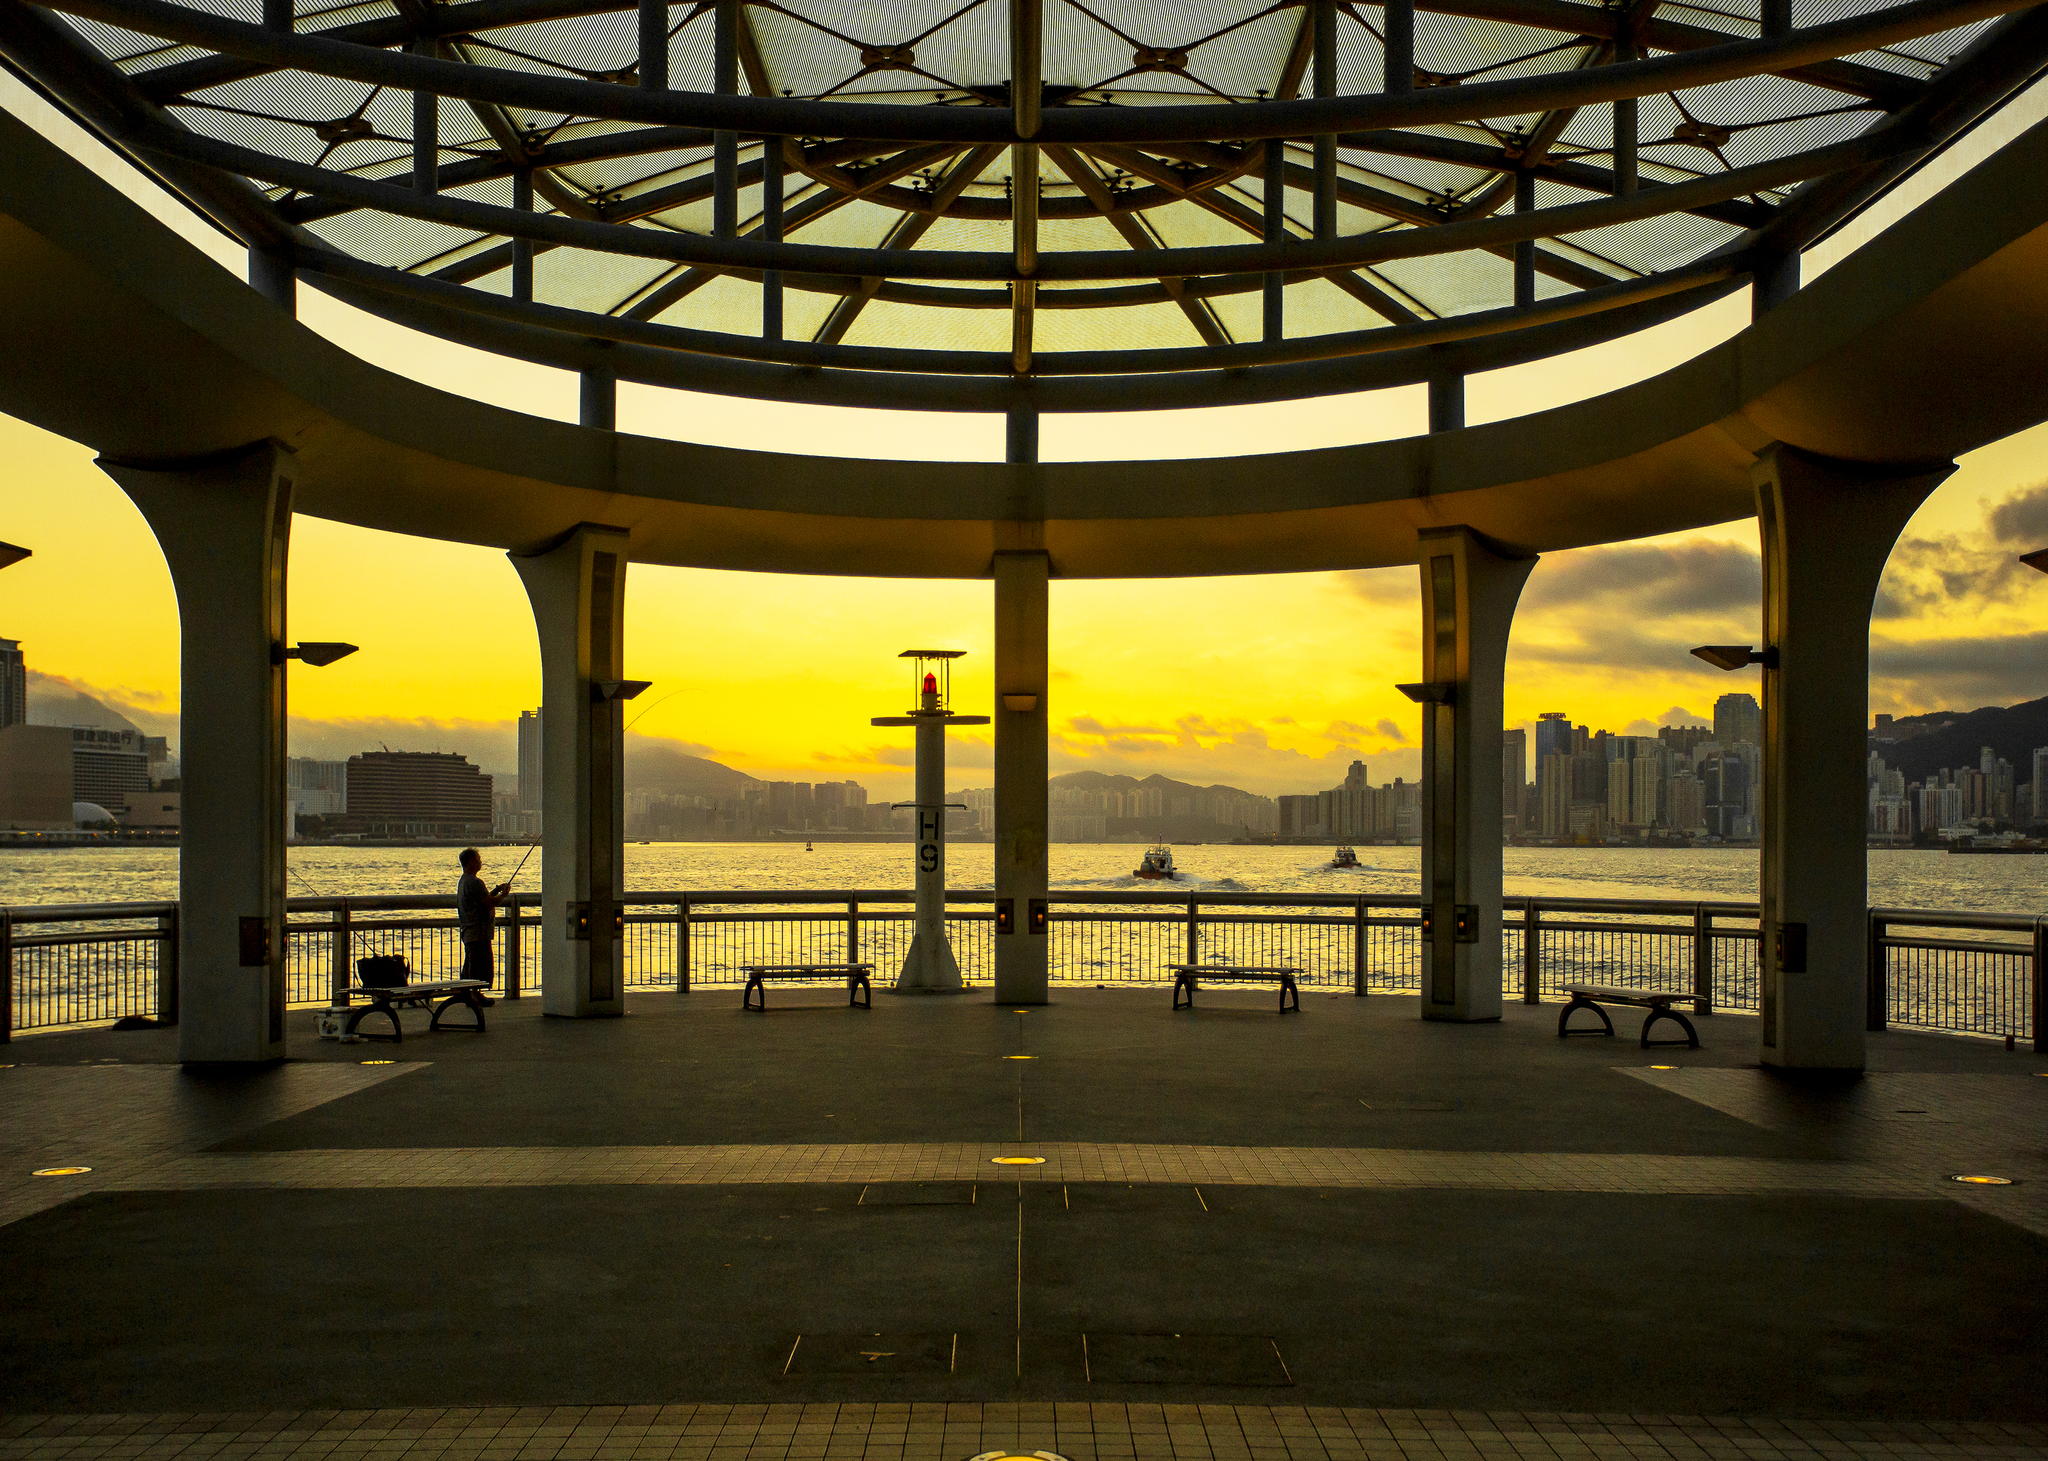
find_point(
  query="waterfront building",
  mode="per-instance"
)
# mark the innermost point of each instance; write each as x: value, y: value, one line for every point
x: 13, y: 684
x: 416, y: 794
x: 35, y: 778
x: 108, y: 766
x: 528, y: 788
x: 1514, y: 781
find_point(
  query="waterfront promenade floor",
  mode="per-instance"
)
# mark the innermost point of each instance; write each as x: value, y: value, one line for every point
x: 699, y: 1234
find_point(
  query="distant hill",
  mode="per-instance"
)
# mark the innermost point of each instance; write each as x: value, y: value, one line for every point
x: 53, y: 702
x: 1107, y: 781
x: 1920, y: 745
x: 655, y: 766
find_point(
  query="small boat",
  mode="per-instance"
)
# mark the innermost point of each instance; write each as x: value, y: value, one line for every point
x: 809, y: 848
x: 1345, y: 857
x: 1157, y: 863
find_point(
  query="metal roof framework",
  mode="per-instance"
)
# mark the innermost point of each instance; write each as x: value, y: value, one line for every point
x: 1072, y: 204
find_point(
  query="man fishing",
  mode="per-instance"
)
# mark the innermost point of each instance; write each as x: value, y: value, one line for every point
x: 475, y: 907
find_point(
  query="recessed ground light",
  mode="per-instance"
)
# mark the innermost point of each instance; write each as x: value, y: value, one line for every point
x: 376, y: 1062
x: 1018, y: 1161
x: 60, y: 1171
x: 1663, y: 1067
x: 1020, y: 1057
x: 1020, y: 1012
x: 1018, y: 1456
x: 1979, y: 1179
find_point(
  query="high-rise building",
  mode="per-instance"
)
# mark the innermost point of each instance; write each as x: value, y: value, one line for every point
x: 1514, y: 780
x: 2040, y: 785
x: 13, y: 684
x: 1725, y: 777
x: 1553, y: 793
x: 417, y: 794
x: 1738, y: 720
x: 1554, y: 735
x: 107, y: 766
x: 529, y: 761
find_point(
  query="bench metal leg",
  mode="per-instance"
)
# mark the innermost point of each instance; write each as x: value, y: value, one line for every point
x: 356, y: 1018
x: 467, y: 1001
x: 1287, y: 992
x: 1183, y: 984
x: 1564, y: 1018
x: 859, y: 993
x: 1692, y: 1036
x: 755, y: 990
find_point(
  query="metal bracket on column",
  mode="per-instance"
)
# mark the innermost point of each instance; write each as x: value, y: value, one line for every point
x: 1006, y: 915
x: 1465, y: 923
x: 1428, y: 922
x: 583, y: 918
x: 255, y: 942
x: 1788, y: 947
x: 1039, y: 916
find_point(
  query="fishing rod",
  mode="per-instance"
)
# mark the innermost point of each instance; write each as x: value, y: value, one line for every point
x: 521, y: 868
x: 356, y: 930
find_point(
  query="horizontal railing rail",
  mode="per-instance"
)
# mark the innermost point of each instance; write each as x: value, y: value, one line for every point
x: 1936, y: 969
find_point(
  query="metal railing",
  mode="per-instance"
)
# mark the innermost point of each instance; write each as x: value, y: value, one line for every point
x: 1965, y: 973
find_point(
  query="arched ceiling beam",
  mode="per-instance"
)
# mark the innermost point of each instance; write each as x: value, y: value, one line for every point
x: 806, y: 354
x: 1561, y: 17
x: 1514, y: 96
x: 1079, y: 265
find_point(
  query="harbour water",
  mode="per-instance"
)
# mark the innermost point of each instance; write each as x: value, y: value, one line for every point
x: 1898, y: 879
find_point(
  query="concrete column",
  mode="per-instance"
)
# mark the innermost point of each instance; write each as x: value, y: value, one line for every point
x: 1468, y: 606
x: 1023, y: 815
x: 1827, y: 528
x: 224, y: 524
x: 578, y: 591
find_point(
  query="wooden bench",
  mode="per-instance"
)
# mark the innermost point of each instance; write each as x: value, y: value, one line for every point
x: 859, y: 993
x: 1185, y: 975
x: 1658, y: 1002
x: 388, y: 1000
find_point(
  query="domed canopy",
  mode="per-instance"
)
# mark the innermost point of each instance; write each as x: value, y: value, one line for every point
x: 1108, y: 202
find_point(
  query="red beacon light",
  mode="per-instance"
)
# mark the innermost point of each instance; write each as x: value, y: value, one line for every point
x: 931, y: 683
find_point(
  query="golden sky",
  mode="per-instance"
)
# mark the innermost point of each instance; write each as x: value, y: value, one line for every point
x: 1272, y: 683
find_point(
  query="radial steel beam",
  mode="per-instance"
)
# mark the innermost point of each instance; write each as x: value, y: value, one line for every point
x: 1513, y: 96
x: 1562, y: 17
x: 1133, y: 231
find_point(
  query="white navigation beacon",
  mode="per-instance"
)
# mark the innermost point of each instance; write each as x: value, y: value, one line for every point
x: 929, y: 967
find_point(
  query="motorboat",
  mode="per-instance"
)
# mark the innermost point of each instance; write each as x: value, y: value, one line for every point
x: 1156, y: 863
x: 1344, y: 857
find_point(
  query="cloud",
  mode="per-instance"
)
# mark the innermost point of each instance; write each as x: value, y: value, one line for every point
x: 2021, y: 520
x: 1233, y: 751
x: 1088, y: 725
x: 1393, y: 733
x: 1655, y: 580
x: 1963, y: 671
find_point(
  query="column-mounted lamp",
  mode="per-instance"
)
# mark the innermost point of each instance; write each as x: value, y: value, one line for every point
x: 603, y: 692
x: 1429, y: 692
x: 2036, y: 560
x: 315, y: 652
x: 1736, y: 656
x: 1020, y: 702
x: 11, y: 555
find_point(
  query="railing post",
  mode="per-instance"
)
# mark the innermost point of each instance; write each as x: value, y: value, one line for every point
x: 1361, y: 948
x: 1194, y: 946
x: 1532, y: 952
x: 1703, y: 958
x: 853, y: 933
x: 2041, y: 985
x: 338, y: 939
x: 166, y: 968
x: 683, y: 946
x: 514, y: 952
x: 1877, y: 985
x: 6, y: 976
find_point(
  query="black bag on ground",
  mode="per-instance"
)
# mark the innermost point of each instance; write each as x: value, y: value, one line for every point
x: 383, y: 971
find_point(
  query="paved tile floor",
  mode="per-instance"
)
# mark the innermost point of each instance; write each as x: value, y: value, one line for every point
x: 806, y: 1099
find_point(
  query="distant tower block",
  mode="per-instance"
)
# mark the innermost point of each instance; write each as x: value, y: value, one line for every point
x: 929, y: 967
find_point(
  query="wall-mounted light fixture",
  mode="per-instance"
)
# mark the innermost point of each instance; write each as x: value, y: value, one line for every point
x: 1430, y: 692
x: 1020, y: 702
x: 1736, y: 656
x: 605, y: 691
x: 315, y: 652
x: 2036, y: 560
x: 11, y: 555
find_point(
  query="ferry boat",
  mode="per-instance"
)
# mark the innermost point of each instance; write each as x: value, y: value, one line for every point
x: 1344, y: 857
x: 1157, y: 863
